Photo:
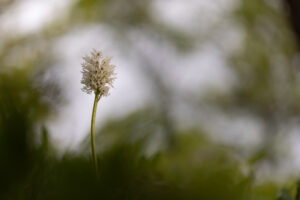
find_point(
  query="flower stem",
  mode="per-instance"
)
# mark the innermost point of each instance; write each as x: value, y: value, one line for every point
x: 93, y: 143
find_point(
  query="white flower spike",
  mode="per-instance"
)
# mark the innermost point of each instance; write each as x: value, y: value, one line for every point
x: 97, y: 74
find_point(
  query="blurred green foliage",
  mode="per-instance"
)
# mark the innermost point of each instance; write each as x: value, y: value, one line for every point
x: 196, y: 169
x: 136, y: 158
x: 264, y: 66
x: 266, y: 70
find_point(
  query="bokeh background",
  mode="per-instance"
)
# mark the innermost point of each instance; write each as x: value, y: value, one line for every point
x: 206, y: 104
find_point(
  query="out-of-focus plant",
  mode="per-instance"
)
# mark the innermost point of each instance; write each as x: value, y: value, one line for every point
x: 23, y: 138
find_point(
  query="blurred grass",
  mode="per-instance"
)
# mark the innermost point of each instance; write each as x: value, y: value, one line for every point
x: 196, y: 169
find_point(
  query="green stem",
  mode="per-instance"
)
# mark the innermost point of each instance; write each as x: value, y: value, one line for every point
x: 93, y: 143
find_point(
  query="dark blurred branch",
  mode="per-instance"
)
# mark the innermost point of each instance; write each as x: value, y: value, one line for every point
x: 293, y: 8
